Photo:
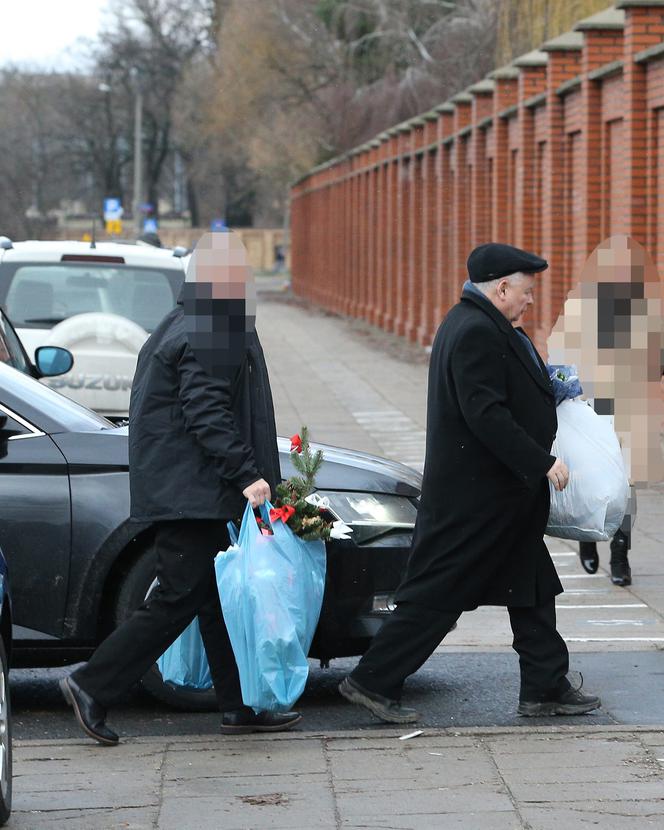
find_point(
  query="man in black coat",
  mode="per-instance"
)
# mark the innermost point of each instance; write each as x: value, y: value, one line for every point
x: 202, y: 440
x: 478, y: 540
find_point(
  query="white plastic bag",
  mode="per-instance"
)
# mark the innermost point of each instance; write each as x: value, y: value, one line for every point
x: 592, y: 506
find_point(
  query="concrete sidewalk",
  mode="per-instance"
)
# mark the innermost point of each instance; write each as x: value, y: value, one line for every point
x: 544, y: 779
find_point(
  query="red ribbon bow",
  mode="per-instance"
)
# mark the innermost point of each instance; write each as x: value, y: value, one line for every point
x: 295, y: 443
x: 284, y: 513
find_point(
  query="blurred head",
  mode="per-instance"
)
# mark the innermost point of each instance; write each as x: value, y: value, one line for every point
x: 219, y: 301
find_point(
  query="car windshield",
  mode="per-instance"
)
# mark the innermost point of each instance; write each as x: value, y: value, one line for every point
x: 10, y: 347
x: 43, y: 295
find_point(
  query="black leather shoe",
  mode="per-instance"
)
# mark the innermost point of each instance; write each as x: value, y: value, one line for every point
x: 90, y: 714
x: 245, y: 720
x: 390, y: 711
x: 621, y: 573
x: 589, y: 556
x: 570, y: 702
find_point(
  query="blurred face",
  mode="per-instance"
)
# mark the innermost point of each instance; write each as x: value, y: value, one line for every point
x: 514, y: 294
x: 219, y: 302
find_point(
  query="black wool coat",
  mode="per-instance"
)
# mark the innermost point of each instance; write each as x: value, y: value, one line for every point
x: 196, y: 441
x: 491, y: 421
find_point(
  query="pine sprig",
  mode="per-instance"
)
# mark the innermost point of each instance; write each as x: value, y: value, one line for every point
x: 307, y: 522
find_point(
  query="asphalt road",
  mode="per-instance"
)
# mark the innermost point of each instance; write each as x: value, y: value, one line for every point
x: 452, y: 689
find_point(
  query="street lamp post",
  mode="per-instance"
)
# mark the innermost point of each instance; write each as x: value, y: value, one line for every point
x: 138, y: 150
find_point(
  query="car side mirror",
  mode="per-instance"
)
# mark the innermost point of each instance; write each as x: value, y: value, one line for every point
x: 53, y: 360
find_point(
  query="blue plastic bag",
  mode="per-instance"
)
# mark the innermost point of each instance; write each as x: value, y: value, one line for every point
x: 184, y: 662
x: 271, y: 591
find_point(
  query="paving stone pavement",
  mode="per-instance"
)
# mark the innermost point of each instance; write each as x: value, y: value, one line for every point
x: 471, y: 779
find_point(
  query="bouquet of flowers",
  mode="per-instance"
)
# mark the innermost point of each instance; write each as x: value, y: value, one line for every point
x: 296, y: 504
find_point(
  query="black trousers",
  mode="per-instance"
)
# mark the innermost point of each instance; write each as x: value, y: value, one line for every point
x: 187, y: 587
x: 412, y: 633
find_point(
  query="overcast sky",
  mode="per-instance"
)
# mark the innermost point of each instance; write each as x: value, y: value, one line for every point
x: 43, y: 33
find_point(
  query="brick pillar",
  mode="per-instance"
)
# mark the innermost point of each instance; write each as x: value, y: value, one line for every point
x: 383, y: 238
x: 372, y: 232
x: 404, y: 185
x: 359, y: 299
x: 531, y: 82
x: 444, y: 211
x: 602, y: 44
x: 504, y: 96
x: 461, y: 202
x: 413, y: 265
x: 430, y: 231
x: 393, y: 248
x: 644, y: 27
x: 563, y: 65
x: 482, y: 93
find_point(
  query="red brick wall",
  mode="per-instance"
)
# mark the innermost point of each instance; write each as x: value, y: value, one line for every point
x: 383, y: 232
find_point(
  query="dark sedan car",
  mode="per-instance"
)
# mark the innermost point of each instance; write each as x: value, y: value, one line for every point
x: 5, y: 707
x: 79, y: 566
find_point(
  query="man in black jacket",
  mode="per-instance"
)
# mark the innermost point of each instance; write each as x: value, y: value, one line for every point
x: 202, y: 440
x: 491, y: 421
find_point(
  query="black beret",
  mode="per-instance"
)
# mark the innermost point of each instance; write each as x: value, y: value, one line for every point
x: 494, y: 260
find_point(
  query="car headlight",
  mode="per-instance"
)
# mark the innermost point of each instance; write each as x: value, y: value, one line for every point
x: 371, y: 514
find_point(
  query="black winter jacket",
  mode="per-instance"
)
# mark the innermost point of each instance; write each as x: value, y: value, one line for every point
x: 491, y: 421
x: 196, y: 441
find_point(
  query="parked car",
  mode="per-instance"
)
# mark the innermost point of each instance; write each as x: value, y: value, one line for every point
x: 80, y: 567
x: 5, y: 705
x: 99, y: 301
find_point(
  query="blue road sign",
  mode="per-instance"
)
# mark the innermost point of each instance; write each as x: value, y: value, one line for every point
x: 112, y: 209
x: 218, y: 225
x: 150, y: 226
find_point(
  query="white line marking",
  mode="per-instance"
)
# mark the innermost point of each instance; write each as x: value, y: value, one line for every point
x: 612, y: 605
x: 571, y: 591
x: 614, y: 639
x: 584, y: 576
x: 562, y: 554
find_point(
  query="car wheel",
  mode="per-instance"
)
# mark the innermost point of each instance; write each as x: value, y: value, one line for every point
x: 5, y: 740
x: 138, y: 584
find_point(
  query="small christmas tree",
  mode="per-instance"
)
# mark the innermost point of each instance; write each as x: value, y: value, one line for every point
x: 308, y: 521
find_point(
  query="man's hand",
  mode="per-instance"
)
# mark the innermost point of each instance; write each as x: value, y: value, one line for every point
x: 257, y: 493
x: 558, y: 475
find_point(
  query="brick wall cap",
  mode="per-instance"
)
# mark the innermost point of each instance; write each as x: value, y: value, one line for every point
x: 446, y: 107
x: 432, y: 115
x: 383, y: 136
x: 534, y: 58
x: 629, y: 4
x: 486, y: 85
x: 611, y: 18
x: 656, y: 51
x: 535, y: 101
x: 567, y: 42
x: 465, y: 131
x: 418, y: 121
x: 404, y: 127
x: 485, y: 122
x: 504, y: 73
x: 569, y: 86
x: 392, y: 131
x: 606, y: 69
x: 374, y: 143
x: 508, y: 112
x: 462, y: 98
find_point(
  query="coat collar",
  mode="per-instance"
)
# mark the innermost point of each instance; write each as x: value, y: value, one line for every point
x: 475, y: 296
